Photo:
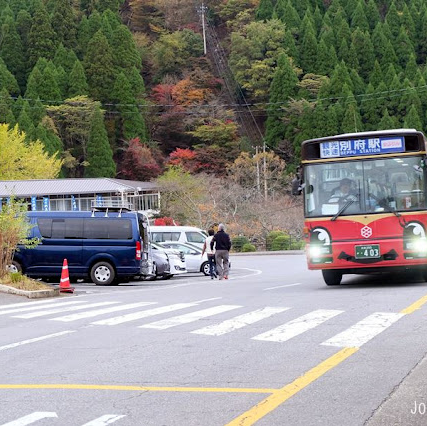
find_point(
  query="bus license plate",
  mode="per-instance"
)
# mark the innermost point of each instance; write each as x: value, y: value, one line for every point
x: 368, y: 252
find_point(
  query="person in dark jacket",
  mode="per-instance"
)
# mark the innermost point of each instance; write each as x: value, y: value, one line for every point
x: 222, y: 243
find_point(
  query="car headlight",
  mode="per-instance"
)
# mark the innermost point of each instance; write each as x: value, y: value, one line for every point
x: 420, y: 245
x: 315, y: 251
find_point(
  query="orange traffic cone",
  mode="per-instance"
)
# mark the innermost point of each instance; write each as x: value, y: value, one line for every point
x: 64, y: 285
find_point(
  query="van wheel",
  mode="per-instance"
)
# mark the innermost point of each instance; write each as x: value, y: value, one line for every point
x: 332, y: 276
x: 14, y: 267
x: 102, y: 273
x: 205, y: 268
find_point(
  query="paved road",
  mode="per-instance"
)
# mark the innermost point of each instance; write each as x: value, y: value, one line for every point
x: 272, y: 346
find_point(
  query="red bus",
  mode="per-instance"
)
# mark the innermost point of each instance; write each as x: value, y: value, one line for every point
x: 365, y: 203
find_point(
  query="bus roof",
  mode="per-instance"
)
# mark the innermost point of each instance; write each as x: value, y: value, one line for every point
x: 374, y: 133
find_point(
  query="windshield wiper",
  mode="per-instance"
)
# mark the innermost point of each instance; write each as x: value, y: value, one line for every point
x: 383, y: 203
x: 344, y: 207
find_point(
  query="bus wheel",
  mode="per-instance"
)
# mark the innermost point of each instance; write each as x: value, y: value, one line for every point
x: 102, y: 273
x: 332, y: 276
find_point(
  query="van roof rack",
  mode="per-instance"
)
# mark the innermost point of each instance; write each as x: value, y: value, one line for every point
x: 107, y: 209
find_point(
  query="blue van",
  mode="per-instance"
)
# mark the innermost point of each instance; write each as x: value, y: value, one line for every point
x: 107, y: 247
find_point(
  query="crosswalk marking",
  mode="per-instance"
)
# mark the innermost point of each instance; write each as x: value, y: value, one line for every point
x: 36, y: 339
x: 107, y: 419
x: 31, y: 418
x: 191, y: 317
x: 28, y: 304
x: 34, y: 308
x: 364, y: 330
x: 297, y: 326
x: 144, y: 314
x: 90, y: 314
x: 59, y: 310
x: 240, y: 321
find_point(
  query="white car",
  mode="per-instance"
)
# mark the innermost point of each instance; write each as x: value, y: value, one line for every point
x: 177, y: 259
x: 193, y: 256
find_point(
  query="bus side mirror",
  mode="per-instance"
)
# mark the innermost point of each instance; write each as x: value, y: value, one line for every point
x: 296, y: 186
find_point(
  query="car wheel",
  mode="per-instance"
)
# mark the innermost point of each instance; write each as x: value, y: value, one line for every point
x: 102, y: 273
x: 332, y: 276
x: 205, y: 268
x: 167, y: 276
x: 14, y: 267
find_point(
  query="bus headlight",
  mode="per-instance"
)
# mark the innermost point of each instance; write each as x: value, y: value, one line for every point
x: 315, y: 251
x: 420, y: 245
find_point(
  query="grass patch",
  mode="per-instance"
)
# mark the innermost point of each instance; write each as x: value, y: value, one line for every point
x: 21, y: 282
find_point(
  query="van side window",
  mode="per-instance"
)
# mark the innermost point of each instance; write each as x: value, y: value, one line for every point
x: 45, y: 227
x: 118, y: 229
x: 195, y: 237
x: 73, y: 228
x: 58, y: 228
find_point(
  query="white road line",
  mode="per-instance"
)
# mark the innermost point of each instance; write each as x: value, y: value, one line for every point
x: 191, y: 317
x: 107, y: 419
x: 364, y: 330
x: 90, y: 314
x: 257, y: 272
x: 59, y: 310
x: 144, y: 314
x: 238, y: 322
x: 207, y: 300
x: 36, y: 339
x: 297, y: 326
x: 282, y: 286
x: 38, y: 302
x: 31, y: 418
x: 34, y: 308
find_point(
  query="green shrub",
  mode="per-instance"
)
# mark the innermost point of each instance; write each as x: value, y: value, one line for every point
x: 16, y: 277
x: 281, y: 242
x: 248, y: 247
x: 237, y: 243
x: 270, y: 238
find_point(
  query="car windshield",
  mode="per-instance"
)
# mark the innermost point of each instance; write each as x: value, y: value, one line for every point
x: 367, y: 186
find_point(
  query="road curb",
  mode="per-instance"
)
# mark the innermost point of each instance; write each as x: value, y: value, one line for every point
x: 34, y: 294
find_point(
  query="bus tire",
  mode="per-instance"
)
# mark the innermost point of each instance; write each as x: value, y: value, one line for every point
x: 332, y: 276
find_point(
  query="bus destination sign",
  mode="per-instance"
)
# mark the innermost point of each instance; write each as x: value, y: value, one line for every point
x: 353, y: 147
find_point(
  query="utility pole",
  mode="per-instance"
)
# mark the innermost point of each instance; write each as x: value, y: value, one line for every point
x: 265, y: 171
x: 258, y: 186
x: 203, y: 27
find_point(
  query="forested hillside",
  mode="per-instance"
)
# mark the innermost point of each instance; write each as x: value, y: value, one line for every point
x: 124, y: 88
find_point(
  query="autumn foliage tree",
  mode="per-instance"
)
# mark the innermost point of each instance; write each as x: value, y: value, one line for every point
x: 138, y: 162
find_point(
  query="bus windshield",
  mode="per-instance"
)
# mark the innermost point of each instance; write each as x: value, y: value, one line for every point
x: 364, y: 186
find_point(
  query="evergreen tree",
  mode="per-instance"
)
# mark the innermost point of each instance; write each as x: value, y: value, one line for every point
x: 371, y: 108
x: 358, y: 18
x: 11, y: 51
x: 408, y: 23
x: 136, y: 82
x: 77, y: 84
x: 64, y: 58
x: 17, y: 106
x: 83, y: 36
x: 42, y: 38
x: 389, y: 57
x: 291, y: 18
x: 280, y: 10
x: 50, y: 90
x: 6, y: 103
x: 409, y: 98
x: 264, y: 11
x: 99, y: 153
x: 37, y: 112
x: 376, y: 76
x: 352, y: 121
x: 7, y: 80
x: 23, y: 25
x: 403, y: 48
x: 99, y: 68
x: 64, y: 23
x: 132, y: 124
x: 308, y: 52
x: 102, y: 5
x: 412, y: 120
x: 392, y: 19
x: 411, y: 70
x: 35, y: 82
x: 283, y: 86
x: 388, y: 122
x: 290, y: 46
x: 372, y: 14
x: 125, y: 54
x: 62, y: 80
x: 24, y: 120
x: 365, y: 52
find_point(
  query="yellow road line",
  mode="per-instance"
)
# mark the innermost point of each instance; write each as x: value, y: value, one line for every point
x: 281, y: 395
x: 136, y: 388
x: 416, y: 305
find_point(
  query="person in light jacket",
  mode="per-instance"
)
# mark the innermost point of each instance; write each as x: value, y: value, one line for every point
x: 211, y: 253
x: 222, y: 243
